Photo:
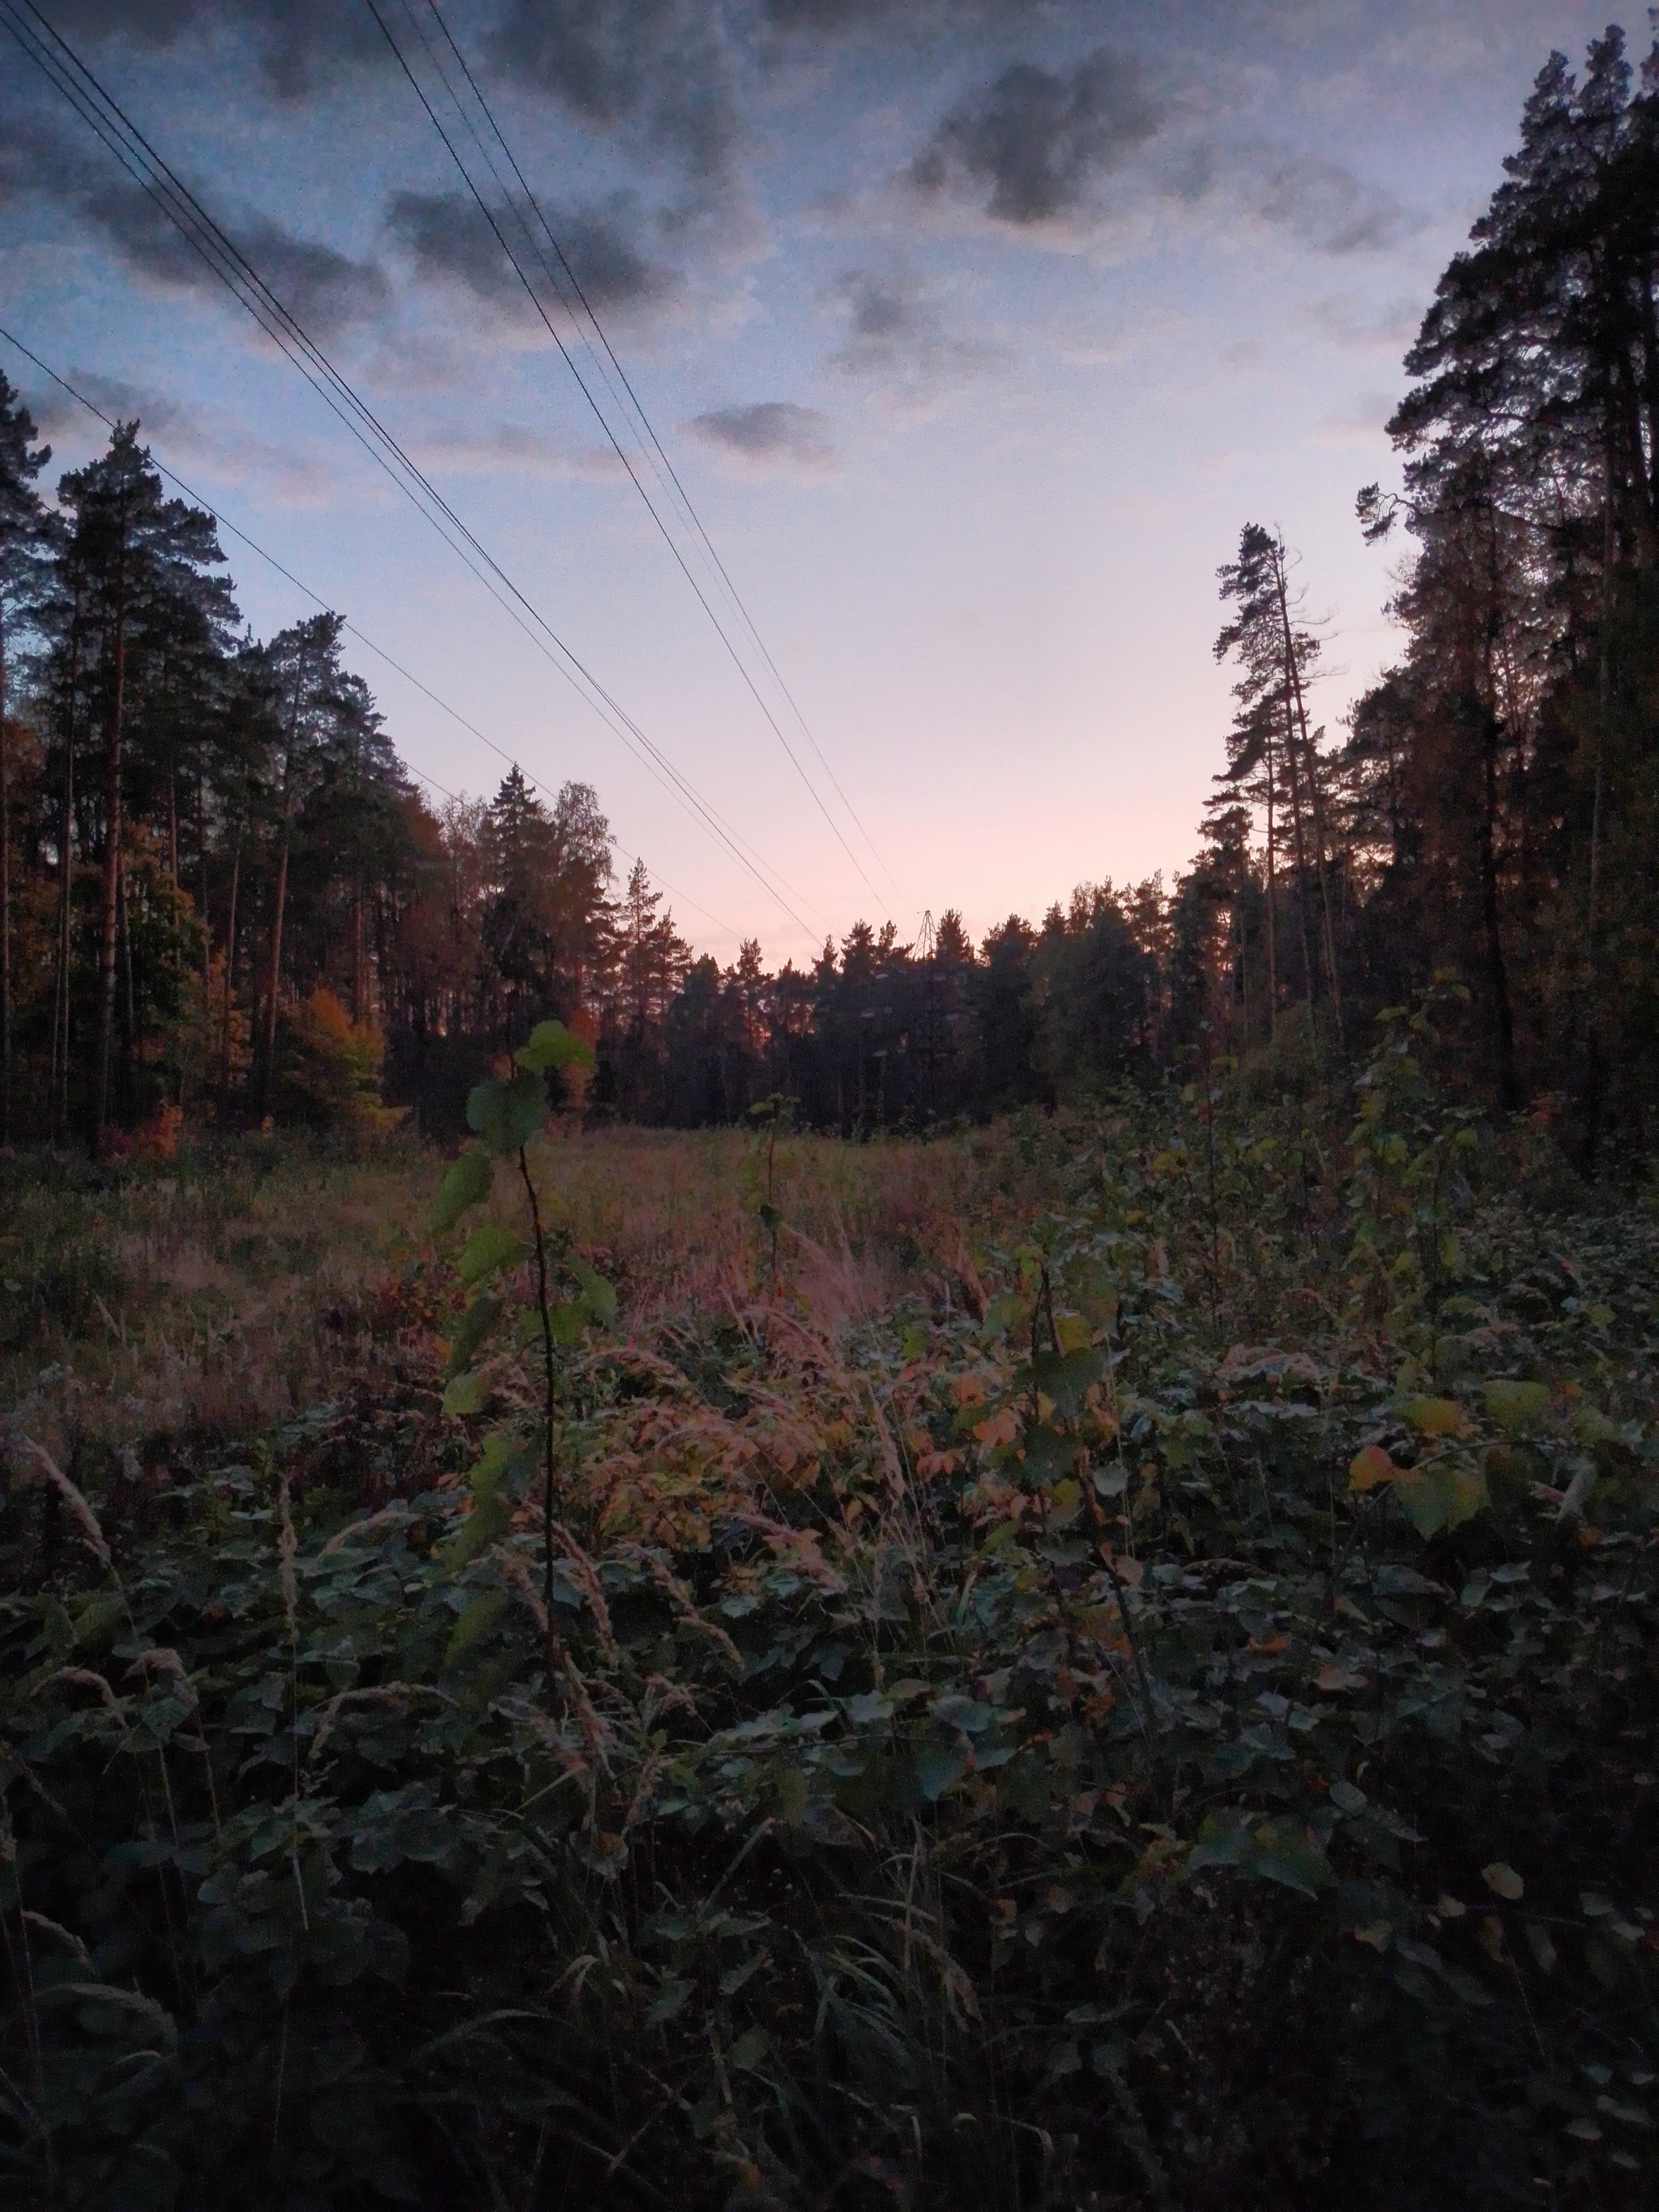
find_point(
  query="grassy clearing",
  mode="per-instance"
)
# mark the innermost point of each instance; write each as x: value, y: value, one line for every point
x: 1123, y: 1679
x: 220, y: 1293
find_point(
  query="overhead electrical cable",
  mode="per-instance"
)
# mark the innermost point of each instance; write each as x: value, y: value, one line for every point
x: 226, y: 263
x: 223, y: 522
x: 599, y: 415
x: 662, y: 465
x: 116, y: 131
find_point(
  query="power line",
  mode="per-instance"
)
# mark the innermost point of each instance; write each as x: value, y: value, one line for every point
x: 655, y: 443
x: 616, y: 444
x: 224, y: 522
x: 116, y: 131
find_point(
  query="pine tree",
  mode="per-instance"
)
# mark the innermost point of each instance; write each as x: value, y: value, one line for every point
x: 26, y: 545
x: 137, y: 566
x: 1271, y: 742
x: 307, y: 682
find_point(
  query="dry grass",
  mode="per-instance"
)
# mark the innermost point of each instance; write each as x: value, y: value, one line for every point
x: 213, y: 1297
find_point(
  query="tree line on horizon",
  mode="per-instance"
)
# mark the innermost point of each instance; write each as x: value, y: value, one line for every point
x: 222, y: 894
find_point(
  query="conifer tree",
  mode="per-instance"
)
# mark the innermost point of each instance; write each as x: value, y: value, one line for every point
x: 25, y: 542
x: 137, y: 565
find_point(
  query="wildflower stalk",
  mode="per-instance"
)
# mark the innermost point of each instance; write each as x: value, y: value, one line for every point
x: 549, y: 1405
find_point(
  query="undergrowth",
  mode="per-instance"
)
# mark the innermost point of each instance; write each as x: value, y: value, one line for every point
x: 1154, y: 1710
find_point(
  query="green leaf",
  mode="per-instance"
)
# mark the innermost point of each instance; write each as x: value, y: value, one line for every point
x: 504, y: 1462
x: 566, y: 1319
x: 475, y: 1324
x: 474, y: 1624
x: 938, y: 1766
x: 1517, y: 1407
x: 492, y: 1246
x: 466, y: 1184
x: 490, y: 1519
x: 1274, y: 1850
x: 506, y: 1116
x: 597, y: 1299
x: 99, y: 1618
x: 1003, y: 1313
x: 552, y: 1045
x: 1067, y: 1379
x: 1436, y: 1497
x: 465, y: 1393
x: 1285, y: 1855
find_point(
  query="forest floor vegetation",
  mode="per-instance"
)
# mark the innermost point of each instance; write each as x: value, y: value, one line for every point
x: 1104, y: 1661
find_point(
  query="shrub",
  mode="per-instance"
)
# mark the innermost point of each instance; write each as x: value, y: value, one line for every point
x: 329, y: 1069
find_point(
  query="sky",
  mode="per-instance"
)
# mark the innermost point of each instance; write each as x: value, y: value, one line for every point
x: 973, y: 331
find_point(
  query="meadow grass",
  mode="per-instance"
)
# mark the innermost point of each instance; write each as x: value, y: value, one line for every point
x: 217, y: 1293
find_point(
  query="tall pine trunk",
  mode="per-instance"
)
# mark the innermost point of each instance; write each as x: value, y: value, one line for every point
x: 279, y: 902
x: 58, y: 1079
x: 1310, y: 763
x: 357, y: 993
x: 110, y: 887
x: 230, y: 964
x: 1273, y: 905
x: 1298, y: 847
x: 5, y: 904
x: 274, y: 963
x: 1509, y: 1088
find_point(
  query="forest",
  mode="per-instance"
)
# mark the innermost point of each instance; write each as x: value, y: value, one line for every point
x: 224, y: 895
x: 1020, y: 1576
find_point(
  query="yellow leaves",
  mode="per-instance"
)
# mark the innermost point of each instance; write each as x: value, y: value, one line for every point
x: 1490, y: 1936
x: 1433, y: 1417
x: 1332, y: 1677
x: 1369, y: 1467
x: 1075, y: 1332
x: 1502, y: 1881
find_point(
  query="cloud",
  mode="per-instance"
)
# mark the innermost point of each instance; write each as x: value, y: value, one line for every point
x: 324, y: 290
x: 768, y: 435
x: 1324, y: 205
x: 451, y: 243
x: 1349, y: 320
x: 514, y: 446
x: 893, y: 335
x: 322, y: 287
x: 1040, y: 140
x: 300, y: 43
x: 188, y: 436
x: 661, y: 68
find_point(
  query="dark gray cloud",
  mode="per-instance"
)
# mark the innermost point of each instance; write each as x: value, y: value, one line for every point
x: 1324, y: 205
x: 300, y: 44
x: 451, y: 243
x: 1040, y: 139
x: 188, y: 436
x: 323, y: 288
x: 60, y: 417
x: 893, y: 335
x: 662, y: 69
x: 767, y: 432
x: 829, y: 19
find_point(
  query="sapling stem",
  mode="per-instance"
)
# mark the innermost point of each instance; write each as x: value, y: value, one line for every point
x: 548, y: 1382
